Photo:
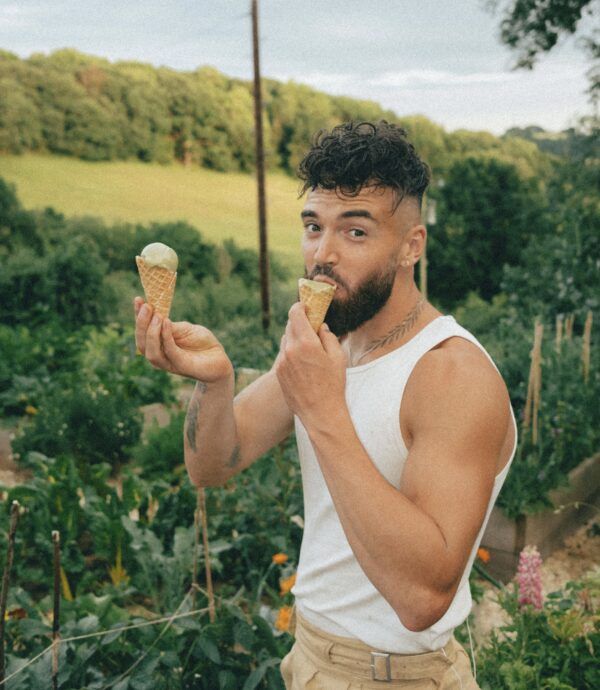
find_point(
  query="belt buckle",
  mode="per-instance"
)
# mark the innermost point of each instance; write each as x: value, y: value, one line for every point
x: 374, y: 669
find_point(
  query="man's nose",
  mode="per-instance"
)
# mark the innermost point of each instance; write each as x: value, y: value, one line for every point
x: 327, y: 249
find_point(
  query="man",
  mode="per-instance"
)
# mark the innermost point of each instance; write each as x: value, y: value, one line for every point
x: 404, y: 427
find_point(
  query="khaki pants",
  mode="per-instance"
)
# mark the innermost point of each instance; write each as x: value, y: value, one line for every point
x: 320, y: 661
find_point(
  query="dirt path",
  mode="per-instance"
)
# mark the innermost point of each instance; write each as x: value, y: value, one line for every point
x: 9, y: 472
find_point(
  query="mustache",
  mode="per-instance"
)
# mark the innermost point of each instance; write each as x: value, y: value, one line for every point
x: 327, y: 271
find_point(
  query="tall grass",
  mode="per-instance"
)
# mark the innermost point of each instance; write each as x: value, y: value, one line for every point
x: 220, y: 205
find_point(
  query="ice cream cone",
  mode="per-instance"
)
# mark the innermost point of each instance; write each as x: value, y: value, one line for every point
x: 159, y: 285
x: 317, y: 297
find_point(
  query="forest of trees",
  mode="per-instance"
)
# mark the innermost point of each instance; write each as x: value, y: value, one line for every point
x: 74, y: 104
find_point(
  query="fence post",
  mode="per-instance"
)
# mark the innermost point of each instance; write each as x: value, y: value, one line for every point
x: 587, y: 341
x: 56, y: 615
x: 209, y: 585
x: 10, y: 550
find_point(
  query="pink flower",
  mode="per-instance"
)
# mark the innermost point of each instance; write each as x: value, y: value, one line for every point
x: 529, y: 577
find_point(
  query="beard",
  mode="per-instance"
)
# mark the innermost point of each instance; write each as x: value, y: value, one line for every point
x: 345, y: 316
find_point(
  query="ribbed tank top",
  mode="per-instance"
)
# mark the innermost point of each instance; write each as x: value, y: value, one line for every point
x: 332, y: 591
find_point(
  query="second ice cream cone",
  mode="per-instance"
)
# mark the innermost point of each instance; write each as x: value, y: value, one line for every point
x: 317, y: 297
x: 159, y: 285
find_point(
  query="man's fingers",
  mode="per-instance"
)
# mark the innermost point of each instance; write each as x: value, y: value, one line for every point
x: 329, y: 341
x: 169, y: 347
x: 154, y: 353
x: 141, y: 326
x: 299, y: 325
x: 137, y: 305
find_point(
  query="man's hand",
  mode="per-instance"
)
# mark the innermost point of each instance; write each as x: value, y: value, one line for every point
x: 311, y: 368
x: 180, y: 347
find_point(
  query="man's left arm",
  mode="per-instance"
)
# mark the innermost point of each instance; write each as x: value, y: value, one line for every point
x: 412, y: 543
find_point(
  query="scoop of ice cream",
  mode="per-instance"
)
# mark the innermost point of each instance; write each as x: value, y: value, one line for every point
x: 158, y: 254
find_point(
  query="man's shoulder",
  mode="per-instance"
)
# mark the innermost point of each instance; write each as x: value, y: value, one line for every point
x: 453, y: 377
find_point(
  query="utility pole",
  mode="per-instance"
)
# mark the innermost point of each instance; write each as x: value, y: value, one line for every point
x: 260, y: 176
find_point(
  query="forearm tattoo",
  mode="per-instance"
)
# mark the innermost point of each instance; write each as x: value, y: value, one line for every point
x: 235, y: 457
x: 191, y: 418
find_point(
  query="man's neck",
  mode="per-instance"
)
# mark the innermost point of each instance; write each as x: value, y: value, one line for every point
x: 398, y: 319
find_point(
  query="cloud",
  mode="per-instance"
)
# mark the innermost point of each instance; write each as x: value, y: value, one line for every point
x: 13, y: 16
x: 429, y: 78
x: 408, y: 79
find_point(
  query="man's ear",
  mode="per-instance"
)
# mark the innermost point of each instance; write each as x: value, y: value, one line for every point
x: 414, y: 242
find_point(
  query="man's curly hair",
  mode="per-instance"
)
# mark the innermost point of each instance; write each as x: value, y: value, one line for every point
x: 363, y: 154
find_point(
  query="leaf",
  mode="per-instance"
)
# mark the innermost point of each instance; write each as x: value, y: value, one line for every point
x: 87, y: 625
x: 258, y: 674
x: 244, y: 635
x: 209, y: 648
x: 30, y: 627
x: 227, y: 681
x: 113, y: 635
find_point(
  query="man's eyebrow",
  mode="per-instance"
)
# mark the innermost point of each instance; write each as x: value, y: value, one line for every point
x: 357, y: 213
x: 354, y: 213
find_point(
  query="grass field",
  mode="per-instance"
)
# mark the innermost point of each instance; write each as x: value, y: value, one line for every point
x: 220, y: 205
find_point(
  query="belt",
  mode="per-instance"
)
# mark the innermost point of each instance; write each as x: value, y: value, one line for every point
x: 357, y: 659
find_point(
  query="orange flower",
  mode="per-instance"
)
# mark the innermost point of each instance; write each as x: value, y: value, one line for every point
x: 283, y: 618
x: 287, y: 583
x: 483, y: 555
x: 280, y: 558
x: 30, y: 409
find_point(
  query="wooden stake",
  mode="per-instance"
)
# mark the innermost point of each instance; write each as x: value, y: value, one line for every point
x: 569, y: 326
x: 197, y: 512
x: 587, y: 341
x: 530, y: 382
x: 537, y: 387
x: 209, y: 583
x: 56, y: 614
x: 534, y: 386
x: 10, y: 550
x: 559, y: 330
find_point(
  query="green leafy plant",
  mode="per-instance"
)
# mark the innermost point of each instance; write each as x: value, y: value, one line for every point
x: 551, y: 649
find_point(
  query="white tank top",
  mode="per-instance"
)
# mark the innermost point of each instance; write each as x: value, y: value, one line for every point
x: 332, y: 591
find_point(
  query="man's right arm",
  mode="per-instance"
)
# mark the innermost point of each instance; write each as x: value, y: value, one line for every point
x: 223, y: 436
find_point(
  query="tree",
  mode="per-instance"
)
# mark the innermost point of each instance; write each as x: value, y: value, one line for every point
x: 487, y: 213
x: 17, y: 226
x: 532, y: 27
x: 560, y: 272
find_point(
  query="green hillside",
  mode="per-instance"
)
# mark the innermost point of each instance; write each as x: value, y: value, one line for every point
x: 220, y: 205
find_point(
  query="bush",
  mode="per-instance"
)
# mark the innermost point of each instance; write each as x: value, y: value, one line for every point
x: 568, y: 429
x: 160, y: 453
x: 66, y: 285
x: 552, y: 649
x: 31, y: 360
x: 93, y: 426
x: 108, y: 361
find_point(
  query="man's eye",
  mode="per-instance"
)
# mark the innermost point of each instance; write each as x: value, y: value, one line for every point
x: 355, y: 232
x: 312, y: 227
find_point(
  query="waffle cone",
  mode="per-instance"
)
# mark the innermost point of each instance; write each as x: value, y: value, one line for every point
x: 317, y: 297
x: 159, y: 285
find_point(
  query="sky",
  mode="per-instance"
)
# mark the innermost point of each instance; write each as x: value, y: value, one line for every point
x: 440, y: 59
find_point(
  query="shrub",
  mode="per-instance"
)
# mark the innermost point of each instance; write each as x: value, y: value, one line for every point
x: 91, y: 425
x: 65, y: 285
x: 552, y: 648
x: 160, y: 453
x: 31, y: 360
x: 108, y: 361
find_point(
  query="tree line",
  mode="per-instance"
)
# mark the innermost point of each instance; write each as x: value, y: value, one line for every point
x: 74, y: 104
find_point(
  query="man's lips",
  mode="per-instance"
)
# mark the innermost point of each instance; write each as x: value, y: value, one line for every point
x: 325, y: 279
